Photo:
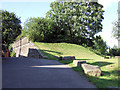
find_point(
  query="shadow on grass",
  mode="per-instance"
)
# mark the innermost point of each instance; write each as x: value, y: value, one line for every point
x: 103, y: 83
x: 53, y: 57
x: 98, y: 54
x: 66, y: 61
x: 83, y: 59
x: 50, y: 56
x: 79, y: 69
x: 53, y: 52
x: 115, y: 73
x: 70, y: 61
x: 105, y: 73
x: 101, y: 63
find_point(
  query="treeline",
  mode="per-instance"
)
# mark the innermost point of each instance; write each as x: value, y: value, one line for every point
x: 70, y: 22
x: 115, y: 51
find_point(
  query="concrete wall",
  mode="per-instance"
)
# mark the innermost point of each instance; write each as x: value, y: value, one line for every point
x: 20, y: 47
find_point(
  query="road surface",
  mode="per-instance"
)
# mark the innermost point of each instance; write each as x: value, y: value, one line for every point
x: 23, y: 72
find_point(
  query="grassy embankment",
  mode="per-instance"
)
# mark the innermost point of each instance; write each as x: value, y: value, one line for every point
x: 109, y: 67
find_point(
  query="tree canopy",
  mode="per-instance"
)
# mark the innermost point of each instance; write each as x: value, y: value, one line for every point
x: 79, y: 21
x: 70, y: 22
x: 40, y: 29
x: 11, y: 27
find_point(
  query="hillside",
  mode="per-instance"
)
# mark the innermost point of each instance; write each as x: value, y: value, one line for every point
x: 66, y: 49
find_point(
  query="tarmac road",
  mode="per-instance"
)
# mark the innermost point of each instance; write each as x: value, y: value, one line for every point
x: 20, y: 72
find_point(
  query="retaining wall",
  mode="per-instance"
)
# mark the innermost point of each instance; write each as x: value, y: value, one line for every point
x: 21, y: 47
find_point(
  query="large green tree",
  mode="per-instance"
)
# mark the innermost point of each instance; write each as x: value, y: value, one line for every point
x: 11, y: 27
x: 79, y: 21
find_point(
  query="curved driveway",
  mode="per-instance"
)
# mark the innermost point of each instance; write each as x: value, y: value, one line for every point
x: 40, y: 73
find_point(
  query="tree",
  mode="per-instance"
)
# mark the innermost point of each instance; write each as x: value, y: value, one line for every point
x: 100, y: 45
x: 77, y: 20
x: 115, y: 47
x: 115, y: 51
x: 11, y: 27
x: 116, y: 29
x: 40, y: 29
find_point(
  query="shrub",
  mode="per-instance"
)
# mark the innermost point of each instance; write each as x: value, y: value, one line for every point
x: 114, y: 52
x: 100, y: 45
x: 23, y: 34
x: 12, y: 54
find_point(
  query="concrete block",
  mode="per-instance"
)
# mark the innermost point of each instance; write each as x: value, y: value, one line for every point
x: 78, y: 63
x: 68, y: 58
x: 117, y: 57
x: 45, y: 56
x: 106, y: 57
x: 91, y: 70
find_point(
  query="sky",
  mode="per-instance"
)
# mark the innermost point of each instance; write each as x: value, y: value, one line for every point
x: 38, y: 8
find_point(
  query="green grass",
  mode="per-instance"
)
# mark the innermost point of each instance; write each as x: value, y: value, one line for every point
x: 65, y: 49
x: 109, y: 67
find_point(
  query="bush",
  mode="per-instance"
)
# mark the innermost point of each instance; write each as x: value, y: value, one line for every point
x: 118, y: 52
x: 114, y: 52
x: 23, y: 34
x: 12, y: 54
x: 100, y: 45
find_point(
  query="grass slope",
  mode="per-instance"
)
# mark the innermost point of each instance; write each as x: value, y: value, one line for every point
x: 109, y: 67
x: 65, y: 49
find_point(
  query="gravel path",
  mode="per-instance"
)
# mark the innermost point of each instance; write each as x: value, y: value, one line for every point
x: 40, y: 73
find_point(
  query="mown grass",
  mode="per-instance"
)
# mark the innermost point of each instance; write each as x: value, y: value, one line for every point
x: 109, y: 67
x: 66, y: 49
